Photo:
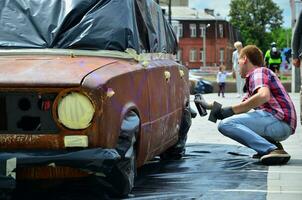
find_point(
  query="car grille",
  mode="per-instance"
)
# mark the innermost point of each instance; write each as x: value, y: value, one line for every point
x: 47, y: 172
x: 26, y: 113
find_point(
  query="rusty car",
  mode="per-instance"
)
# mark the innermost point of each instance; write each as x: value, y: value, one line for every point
x: 88, y: 89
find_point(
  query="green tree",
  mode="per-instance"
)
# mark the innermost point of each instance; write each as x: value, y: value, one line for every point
x: 256, y: 20
x: 282, y: 37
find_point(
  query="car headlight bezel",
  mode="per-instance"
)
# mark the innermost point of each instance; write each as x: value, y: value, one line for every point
x: 75, y: 119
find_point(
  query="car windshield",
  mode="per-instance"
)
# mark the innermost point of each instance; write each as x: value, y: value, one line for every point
x: 85, y: 24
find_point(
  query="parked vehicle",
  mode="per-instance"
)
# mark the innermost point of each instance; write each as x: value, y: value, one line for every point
x: 203, y: 87
x: 199, y: 85
x: 76, y: 102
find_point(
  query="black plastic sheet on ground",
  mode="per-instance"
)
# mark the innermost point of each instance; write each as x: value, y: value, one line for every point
x: 207, y: 171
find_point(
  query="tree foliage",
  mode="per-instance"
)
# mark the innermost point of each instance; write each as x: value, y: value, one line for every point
x: 256, y: 20
x: 282, y: 37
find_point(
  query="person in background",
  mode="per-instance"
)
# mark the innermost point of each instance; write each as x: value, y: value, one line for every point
x: 297, y: 51
x: 239, y: 80
x: 274, y: 117
x: 288, y: 55
x: 221, y: 79
x: 297, y: 42
x: 273, y: 59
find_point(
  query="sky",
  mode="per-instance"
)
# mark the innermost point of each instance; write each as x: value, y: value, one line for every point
x: 222, y: 7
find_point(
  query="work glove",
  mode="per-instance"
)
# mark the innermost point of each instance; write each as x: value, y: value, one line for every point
x: 224, y: 112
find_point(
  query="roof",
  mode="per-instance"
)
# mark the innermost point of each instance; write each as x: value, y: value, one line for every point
x: 175, y: 2
x: 186, y: 13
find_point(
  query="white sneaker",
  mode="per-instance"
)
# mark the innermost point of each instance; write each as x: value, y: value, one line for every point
x: 238, y: 95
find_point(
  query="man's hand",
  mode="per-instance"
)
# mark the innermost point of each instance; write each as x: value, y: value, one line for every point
x: 224, y: 113
x: 296, y: 62
x: 200, y: 100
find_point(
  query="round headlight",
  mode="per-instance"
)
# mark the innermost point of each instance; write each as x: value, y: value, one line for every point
x: 75, y: 111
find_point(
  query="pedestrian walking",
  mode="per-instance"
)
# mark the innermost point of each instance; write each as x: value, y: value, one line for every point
x: 239, y: 81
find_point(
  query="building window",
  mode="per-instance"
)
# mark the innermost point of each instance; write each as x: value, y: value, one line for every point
x: 193, y: 30
x: 221, y: 56
x: 201, y: 55
x: 221, y: 30
x: 175, y: 29
x: 202, y: 28
x: 179, y: 55
x: 180, y: 30
x: 193, y: 55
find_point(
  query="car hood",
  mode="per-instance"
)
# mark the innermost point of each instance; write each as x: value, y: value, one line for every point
x: 47, y: 71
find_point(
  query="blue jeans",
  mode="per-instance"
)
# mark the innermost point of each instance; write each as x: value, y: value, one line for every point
x: 251, y: 129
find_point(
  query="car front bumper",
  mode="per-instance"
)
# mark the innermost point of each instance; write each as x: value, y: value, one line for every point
x: 97, y: 161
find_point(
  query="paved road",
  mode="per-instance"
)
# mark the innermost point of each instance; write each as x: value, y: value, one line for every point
x: 283, y: 182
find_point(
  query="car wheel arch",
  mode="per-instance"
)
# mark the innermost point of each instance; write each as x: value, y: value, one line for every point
x: 127, y: 148
x: 127, y: 109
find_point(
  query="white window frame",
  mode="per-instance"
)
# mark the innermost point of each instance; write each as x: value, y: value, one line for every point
x: 221, y: 55
x: 180, y: 30
x: 220, y: 28
x: 201, y: 53
x: 175, y: 29
x: 193, y: 55
x: 202, y: 28
x: 179, y: 55
x: 193, y: 30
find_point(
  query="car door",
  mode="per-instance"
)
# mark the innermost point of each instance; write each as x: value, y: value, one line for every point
x: 158, y: 97
x: 176, y: 99
x: 166, y: 82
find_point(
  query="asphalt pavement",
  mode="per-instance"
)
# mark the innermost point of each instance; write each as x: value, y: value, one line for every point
x: 283, y: 182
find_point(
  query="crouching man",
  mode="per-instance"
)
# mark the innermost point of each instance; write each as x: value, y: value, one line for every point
x: 273, y: 119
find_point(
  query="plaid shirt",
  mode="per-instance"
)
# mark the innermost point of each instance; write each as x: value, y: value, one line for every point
x: 280, y: 104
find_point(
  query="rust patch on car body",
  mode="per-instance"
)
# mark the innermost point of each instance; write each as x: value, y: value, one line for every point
x: 56, y: 71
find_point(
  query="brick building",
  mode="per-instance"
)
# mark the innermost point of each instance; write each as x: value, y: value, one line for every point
x: 217, y: 45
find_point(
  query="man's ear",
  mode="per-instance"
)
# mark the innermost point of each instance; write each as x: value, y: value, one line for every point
x: 244, y: 60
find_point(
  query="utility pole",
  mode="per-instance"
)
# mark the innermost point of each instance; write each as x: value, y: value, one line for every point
x: 170, y: 13
x: 204, y: 44
x: 293, y: 14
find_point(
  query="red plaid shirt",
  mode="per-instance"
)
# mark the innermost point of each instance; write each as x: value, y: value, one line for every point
x: 280, y: 104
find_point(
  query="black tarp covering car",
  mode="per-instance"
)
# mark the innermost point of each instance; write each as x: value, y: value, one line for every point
x: 93, y: 160
x: 85, y: 24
